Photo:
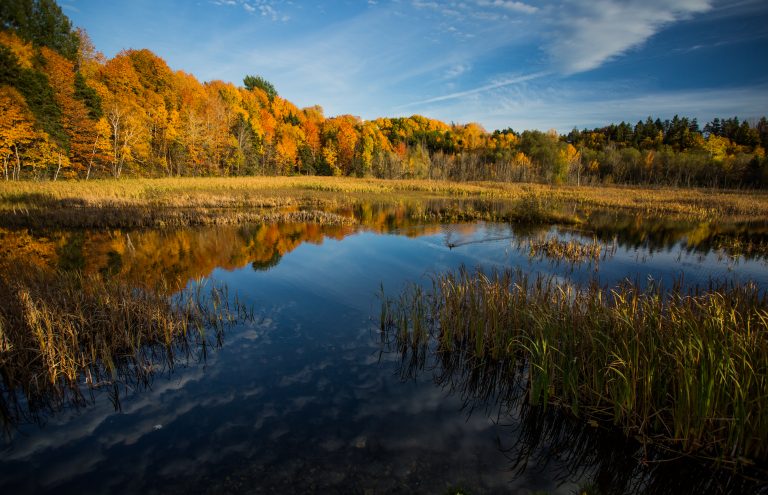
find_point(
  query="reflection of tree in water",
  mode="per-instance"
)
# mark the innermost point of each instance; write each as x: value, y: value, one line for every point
x: 748, y: 239
x: 180, y: 255
x: 157, y: 257
x: 265, y: 265
x: 547, y: 439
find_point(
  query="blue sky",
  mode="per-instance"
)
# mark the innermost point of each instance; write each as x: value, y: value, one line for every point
x: 502, y: 63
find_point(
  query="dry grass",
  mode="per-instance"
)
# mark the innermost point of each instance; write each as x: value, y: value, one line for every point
x: 154, y: 195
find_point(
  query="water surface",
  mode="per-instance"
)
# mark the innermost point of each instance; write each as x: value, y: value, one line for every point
x: 305, y: 398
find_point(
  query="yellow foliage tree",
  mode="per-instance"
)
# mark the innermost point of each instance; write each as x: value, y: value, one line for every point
x: 16, y: 129
x: 717, y: 146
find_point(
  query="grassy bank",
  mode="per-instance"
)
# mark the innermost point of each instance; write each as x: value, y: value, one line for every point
x: 183, y: 201
x: 682, y: 371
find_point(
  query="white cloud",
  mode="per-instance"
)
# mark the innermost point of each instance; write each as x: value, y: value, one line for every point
x: 69, y: 7
x: 509, y: 5
x: 266, y: 8
x: 426, y: 5
x: 456, y: 70
x: 592, y: 33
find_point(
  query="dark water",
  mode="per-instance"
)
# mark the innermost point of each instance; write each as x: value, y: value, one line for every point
x: 305, y: 398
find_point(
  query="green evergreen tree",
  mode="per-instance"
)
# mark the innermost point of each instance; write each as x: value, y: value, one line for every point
x: 43, y: 23
x: 253, y: 82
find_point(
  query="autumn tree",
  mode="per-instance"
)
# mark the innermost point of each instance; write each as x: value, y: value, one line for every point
x: 339, y: 135
x: 310, y: 150
x: 16, y: 130
x: 124, y: 113
x: 46, y: 158
x: 78, y: 123
x: 572, y: 158
x: 26, y: 76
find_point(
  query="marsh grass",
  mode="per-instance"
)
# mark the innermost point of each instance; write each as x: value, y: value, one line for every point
x: 684, y: 371
x: 735, y: 248
x: 24, y: 203
x: 146, y: 217
x: 63, y: 334
x: 572, y: 251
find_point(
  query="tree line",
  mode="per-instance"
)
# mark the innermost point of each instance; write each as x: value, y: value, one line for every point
x: 66, y: 111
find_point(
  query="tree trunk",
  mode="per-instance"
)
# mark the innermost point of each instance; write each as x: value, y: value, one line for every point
x: 58, y: 169
x: 17, y: 171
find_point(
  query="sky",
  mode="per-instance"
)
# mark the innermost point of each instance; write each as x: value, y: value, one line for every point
x: 502, y: 63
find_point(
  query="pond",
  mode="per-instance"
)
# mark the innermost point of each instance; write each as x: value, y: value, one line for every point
x: 303, y: 397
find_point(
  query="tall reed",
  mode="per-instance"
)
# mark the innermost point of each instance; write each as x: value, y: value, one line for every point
x: 684, y: 370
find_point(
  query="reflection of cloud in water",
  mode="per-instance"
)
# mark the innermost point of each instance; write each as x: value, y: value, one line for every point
x: 93, y: 428
x: 269, y: 411
x: 305, y: 375
x: 64, y: 470
x: 300, y: 402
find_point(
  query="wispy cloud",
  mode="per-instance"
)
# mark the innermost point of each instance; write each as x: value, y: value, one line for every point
x: 563, y: 106
x: 266, y: 8
x: 509, y: 5
x: 591, y: 33
x: 482, y: 89
x: 69, y: 7
x: 478, y: 10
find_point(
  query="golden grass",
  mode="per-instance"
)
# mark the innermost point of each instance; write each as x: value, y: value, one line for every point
x: 247, y: 192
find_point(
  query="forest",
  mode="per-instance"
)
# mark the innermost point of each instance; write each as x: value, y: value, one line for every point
x: 68, y: 112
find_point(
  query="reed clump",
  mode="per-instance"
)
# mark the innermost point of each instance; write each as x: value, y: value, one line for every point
x: 63, y: 333
x: 572, y: 251
x: 681, y: 370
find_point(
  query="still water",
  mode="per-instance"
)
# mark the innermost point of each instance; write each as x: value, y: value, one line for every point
x: 304, y: 398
